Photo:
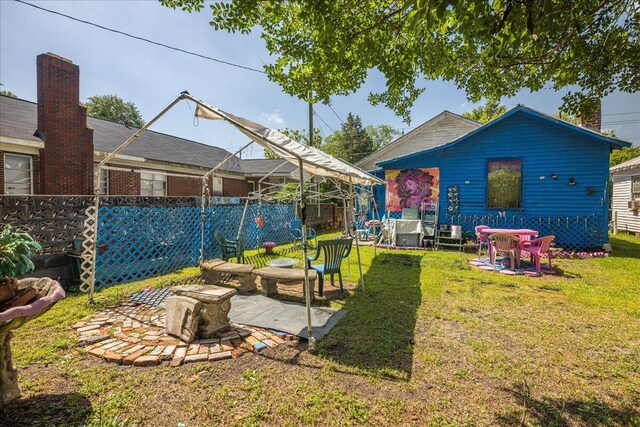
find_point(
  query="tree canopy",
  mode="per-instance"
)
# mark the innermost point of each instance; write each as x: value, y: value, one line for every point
x: 485, y: 113
x: 490, y: 49
x: 113, y: 108
x: 7, y: 93
x: 351, y: 142
x: 623, y: 154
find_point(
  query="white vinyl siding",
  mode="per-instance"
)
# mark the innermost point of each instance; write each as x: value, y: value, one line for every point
x: 18, y: 174
x: 440, y: 131
x: 153, y: 184
x: 627, y: 219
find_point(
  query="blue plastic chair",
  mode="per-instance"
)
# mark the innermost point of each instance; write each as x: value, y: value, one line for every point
x: 334, y: 252
x: 296, y: 232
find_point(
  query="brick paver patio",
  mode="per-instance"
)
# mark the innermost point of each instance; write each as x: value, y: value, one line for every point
x: 133, y: 333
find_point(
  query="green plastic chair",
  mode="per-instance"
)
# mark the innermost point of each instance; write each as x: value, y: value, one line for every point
x: 334, y: 252
x: 230, y: 248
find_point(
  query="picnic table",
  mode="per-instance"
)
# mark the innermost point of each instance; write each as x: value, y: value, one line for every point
x: 524, y: 234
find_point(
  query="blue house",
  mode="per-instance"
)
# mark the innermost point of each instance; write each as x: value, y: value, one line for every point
x: 524, y: 169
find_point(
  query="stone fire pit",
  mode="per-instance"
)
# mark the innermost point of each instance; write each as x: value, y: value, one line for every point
x: 48, y: 292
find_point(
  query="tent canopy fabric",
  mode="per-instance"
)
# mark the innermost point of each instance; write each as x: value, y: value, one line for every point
x: 314, y: 160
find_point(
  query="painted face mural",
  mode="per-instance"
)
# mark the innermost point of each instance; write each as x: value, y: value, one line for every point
x: 412, y: 188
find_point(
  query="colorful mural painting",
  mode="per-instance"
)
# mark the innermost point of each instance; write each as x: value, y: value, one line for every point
x: 412, y: 188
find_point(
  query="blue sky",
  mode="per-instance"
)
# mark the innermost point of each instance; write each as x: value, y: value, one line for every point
x: 152, y: 76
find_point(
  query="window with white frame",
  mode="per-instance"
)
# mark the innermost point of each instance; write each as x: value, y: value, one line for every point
x: 153, y: 184
x: 104, y: 179
x: 635, y: 188
x: 18, y: 174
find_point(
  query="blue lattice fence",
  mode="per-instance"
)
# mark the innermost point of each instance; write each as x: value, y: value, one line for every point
x: 572, y: 232
x: 145, y: 240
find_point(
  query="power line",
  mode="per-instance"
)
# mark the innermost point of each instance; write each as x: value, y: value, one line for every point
x: 334, y: 112
x: 321, y: 119
x: 620, y: 114
x: 220, y: 61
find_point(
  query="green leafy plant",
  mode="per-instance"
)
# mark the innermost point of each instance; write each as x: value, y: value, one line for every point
x: 15, y: 253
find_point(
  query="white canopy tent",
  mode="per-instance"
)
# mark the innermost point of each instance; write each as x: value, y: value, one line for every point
x: 308, y: 159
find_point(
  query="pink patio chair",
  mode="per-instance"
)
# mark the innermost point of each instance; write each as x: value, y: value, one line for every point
x: 482, y: 238
x: 537, y: 248
x: 505, y: 244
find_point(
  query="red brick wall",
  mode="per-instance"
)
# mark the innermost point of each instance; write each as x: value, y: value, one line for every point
x: 66, y: 162
x: 123, y: 183
x: 35, y: 172
x: 181, y: 186
x: 234, y: 187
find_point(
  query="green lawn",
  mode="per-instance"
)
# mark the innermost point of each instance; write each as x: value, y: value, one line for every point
x: 430, y: 342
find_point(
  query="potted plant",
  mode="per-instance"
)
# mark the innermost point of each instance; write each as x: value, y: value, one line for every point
x: 15, y: 259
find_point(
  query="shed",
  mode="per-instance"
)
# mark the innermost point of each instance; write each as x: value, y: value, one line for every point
x: 524, y: 169
x: 625, y: 198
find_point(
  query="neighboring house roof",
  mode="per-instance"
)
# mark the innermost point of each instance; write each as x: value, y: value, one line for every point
x: 629, y: 164
x: 19, y: 119
x: 402, y: 145
x: 614, y: 142
x: 261, y: 167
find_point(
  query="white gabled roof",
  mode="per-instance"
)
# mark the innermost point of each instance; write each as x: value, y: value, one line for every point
x: 390, y: 151
x: 629, y: 164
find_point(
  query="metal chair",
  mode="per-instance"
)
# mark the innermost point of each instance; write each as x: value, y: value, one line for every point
x: 230, y: 248
x: 334, y: 252
x: 505, y: 244
x: 296, y: 232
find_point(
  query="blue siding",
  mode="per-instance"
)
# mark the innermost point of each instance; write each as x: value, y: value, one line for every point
x: 544, y: 148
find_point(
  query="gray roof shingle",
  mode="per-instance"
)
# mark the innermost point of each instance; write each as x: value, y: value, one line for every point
x: 261, y: 167
x: 18, y: 119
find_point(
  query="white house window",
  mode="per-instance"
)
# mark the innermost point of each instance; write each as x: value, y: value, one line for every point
x: 153, y: 184
x: 635, y: 188
x: 17, y: 174
x: 104, y: 179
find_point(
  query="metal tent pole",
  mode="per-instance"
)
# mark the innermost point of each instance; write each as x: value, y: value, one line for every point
x: 312, y: 340
x: 244, y: 213
x: 96, y: 187
x: 356, y: 234
x: 205, y: 177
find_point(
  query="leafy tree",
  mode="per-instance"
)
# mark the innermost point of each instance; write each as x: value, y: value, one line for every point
x: 490, y: 49
x: 381, y: 135
x: 489, y: 111
x: 351, y: 142
x: 623, y: 154
x: 113, y: 108
x: 299, y: 136
x: 7, y: 93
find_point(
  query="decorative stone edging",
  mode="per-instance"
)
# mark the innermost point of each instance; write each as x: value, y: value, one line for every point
x: 134, y: 334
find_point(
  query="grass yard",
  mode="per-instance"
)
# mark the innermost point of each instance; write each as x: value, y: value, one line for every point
x: 431, y: 342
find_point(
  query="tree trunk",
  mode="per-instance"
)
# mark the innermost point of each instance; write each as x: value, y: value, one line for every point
x: 9, y: 389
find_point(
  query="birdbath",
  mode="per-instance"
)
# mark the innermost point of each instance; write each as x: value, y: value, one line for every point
x: 48, y: 292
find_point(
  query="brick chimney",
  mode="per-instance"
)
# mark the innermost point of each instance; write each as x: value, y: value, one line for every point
x: 594, y: 121
x: 66, y: 162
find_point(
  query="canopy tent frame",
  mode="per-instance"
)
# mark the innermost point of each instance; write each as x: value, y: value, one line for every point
x: 317, y: 162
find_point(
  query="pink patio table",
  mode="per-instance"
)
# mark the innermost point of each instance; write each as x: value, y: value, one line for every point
x: 523, y: 233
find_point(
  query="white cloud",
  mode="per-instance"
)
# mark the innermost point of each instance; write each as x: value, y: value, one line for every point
x: 275, y: 117
x: 464, y: 104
